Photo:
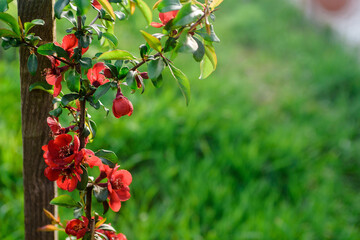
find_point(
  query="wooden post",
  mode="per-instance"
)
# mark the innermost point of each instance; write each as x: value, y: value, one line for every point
x: 35, y: 106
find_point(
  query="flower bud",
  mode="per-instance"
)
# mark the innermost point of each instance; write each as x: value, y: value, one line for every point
x: 121, y: 106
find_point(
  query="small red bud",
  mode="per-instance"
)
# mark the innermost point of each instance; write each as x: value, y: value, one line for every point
x: 144, y: 75
x: 122, y: 106
x: 108, y: 73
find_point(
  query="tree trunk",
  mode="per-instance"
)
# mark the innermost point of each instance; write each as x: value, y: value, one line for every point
x: 35, y: 106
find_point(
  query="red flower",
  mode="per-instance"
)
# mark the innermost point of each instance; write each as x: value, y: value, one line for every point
x: 121, y: 105
x: 69, y: 42
x: 118, y: 186
x: 94, y: 75
x: 64, y: 161
x: 76, y: 227
x: 60, y: 151
x: 164, y: 18
x: 55, y: 126
x: 53, y: 75
x: 112, y: 235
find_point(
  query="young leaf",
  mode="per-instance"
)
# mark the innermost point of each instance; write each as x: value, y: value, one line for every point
x: 116, y: 55
x: 108, y: 8
x: 206, y: 67
x: 64, y: 201
x: 112, y: 38
x: 29, y: 25
x: 182, y: 81
x: 168, y: 5
x: 73, y: 80
x: 101, y: 90
x: 187, y: 14
x: 145, y: 10
x: 11, y: 21
x: 42, y: 86
x: 155, y: 68
x: 215, y: 3
x: 32, y: 64
x: 93, y: 128
x: 59, y: 7
x: 152, y: 41
x: 67, y: 98
x: 210, y: 53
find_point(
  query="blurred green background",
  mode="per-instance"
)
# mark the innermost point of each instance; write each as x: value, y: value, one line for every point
x: 269, y: 147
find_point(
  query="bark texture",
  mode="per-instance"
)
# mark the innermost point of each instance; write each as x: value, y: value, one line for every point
x: 35, y: 106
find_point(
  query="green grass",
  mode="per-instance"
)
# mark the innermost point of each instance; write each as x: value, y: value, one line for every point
x: 267, y: 149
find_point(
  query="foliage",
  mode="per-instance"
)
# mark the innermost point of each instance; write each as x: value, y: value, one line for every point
x: 67, y: 160
x: 271, y: 154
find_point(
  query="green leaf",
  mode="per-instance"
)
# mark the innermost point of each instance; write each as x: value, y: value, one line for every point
x: 158, y: 81
x: 152, y: 41
x: 210, y: 38
x: 82, y: 6
x: 93, y: 128
x: 44, y: 86
x: 155, y: 68
x: 206, y: 67
x: 112, y: 38
x: 56, y: 112
x: 169, y: 5
x: 73, y: 80
x: 11, y: 21
x: 86, y: 63
x: 108, y: 8
x: 182, y: 81
x: 32, y: 64
x: 209, y: 62
x: 59, y: 7
x: 116, y: 55
x: 64, y: 201
x: 29, y: 25
x: 130, y: 80
x: 46, y: 49
x: 3, y: 6
x: 7, y: 33
x: 107, y: 157
x: 100, y: 193
x: 187, y: 43
x: 50, y: 49
x: 200, y: 51
x: 67, y: 98
x: 101, y: 90
x: 78, y: 212
x: 143, y: 50
x: 188, y: 13
x: 145, y: 10
x: 81, y: 185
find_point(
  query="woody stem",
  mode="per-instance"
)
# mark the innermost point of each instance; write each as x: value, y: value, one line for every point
x: 82, y: 141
